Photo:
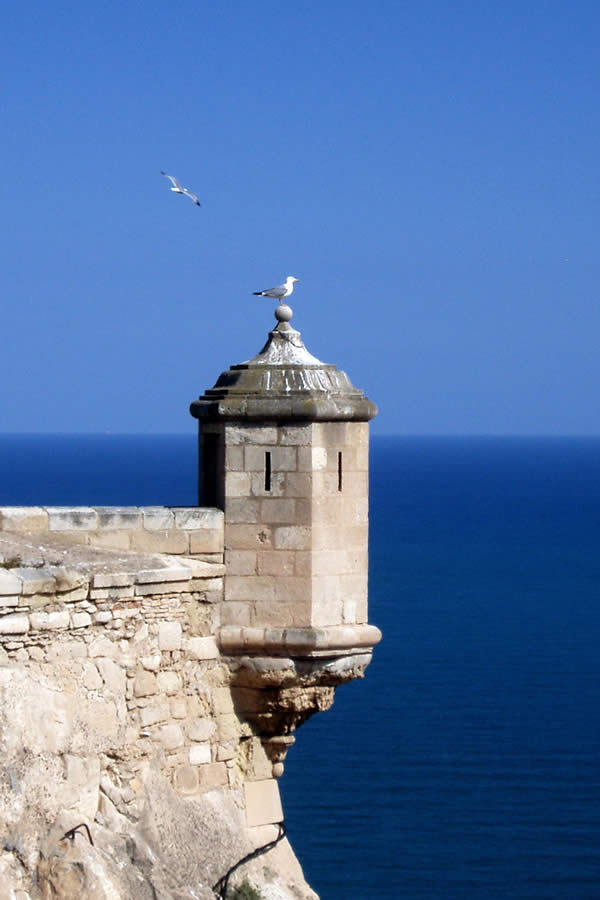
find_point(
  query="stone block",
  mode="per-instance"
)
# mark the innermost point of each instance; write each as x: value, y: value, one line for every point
x: 259, y: 765
x: 239, y: 587
x: 241, y: 562
x: 178, y: 707
x: 38, y: 580
x: 234, y: 458
x: 70, y: 579
x: 248, y: 537
x: 171, y: 737
x: 201, y: 730
x: 145, y: 684
x: 185, y: 780
x: 169, y: 682
x: 76, y: 595
x: 169, y: 636
x: 211, y: 776
x: 200, y: 754
x: 235, y: 613
x: 151, y: 663
x: 312, y: 459
x: 102, y: 617
x: 160, y: 541
x: 17, y: 623
x: 76, y: 518
x: 303, y: 563
x: 157, y: 518
x: 298, y: 484
x: 208, y: 541
x: 277, y: 486
x: 152, y: 715
x: 118, y: 518
x: 194, y: 518
x: 237, y: 484
x: 274, y: 511
x: 10, y: 584
x: 242, y: 510
x: 201, y: 648
x: 50, y: 621
x: 112, y: 675
x: 295, y: 435
x: 292, y: 537
x: 250, y: 434
x: 112, y: 579
x: 276, y: 562
x: 80, y: 620
x: 111, y: 540
x: 263, y: 803
x: 161, y: 587
x: 112, y: 593
x: 23, y: 518
x: 165, y: 573
x: 283, y: 459
x: 222, y: 701
x: 228, y: 727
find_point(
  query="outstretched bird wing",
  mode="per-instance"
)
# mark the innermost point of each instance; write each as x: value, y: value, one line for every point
x: 173, y: 181
x: 191, y: 196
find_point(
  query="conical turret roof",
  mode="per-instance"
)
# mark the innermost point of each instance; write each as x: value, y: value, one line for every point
x: 284, y: 381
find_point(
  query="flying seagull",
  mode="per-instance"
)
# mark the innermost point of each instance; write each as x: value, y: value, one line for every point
x: 280, y: 291
x: 181, y: 190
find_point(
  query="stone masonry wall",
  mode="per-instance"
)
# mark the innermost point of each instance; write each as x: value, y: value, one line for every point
x: 296, y: 530
x: 116, y: 712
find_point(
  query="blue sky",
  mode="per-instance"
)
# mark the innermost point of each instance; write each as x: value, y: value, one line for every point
x: 428, y: 170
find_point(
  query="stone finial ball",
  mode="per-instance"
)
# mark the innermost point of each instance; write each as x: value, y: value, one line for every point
x: 283, y: 312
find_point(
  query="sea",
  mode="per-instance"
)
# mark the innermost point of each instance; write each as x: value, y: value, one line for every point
x: 466, y: 764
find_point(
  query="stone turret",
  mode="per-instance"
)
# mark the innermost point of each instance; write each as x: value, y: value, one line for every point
x: 283, y: 451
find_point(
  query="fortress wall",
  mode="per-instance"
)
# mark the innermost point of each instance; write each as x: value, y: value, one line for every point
x: 116, y: 711
x: 190, y: 531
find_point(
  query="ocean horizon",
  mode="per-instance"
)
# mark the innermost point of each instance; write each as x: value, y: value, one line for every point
x: 466, y: 763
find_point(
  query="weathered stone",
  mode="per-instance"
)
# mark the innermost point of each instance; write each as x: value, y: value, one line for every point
x: 23, y: 518
x: 50, y: 621
x: 263, y: 803
x: 200, y: 754
x: 77, y: 518
x: 80, y: 619
x: 14, y: 624
x: 169, y: 636
x: 212, y: 776
x: 171, y: 737
x: 10, y: 583
x: 151, y: 715
x: 102, y: 647
x: 112, y: 675
x: 201, y: 648
x: 145, y: 684
x: 158, y: 518
x: 169, y: 682
x: 201, y: 729
x: 185, y: 779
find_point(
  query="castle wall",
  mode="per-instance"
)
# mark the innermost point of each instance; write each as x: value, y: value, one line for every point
x: 116, y: 710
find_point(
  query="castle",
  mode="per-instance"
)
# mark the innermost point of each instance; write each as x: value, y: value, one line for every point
x: 156, y: 662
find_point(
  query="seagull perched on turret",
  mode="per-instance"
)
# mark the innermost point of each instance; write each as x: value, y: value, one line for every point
x: 280, y: 291
x: 181, y: 190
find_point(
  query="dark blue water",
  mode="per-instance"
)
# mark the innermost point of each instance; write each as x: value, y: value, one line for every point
x: 466, y: 764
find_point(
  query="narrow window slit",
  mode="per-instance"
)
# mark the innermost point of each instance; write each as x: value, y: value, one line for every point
x: 268, y: 470
x: 339, y: 470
